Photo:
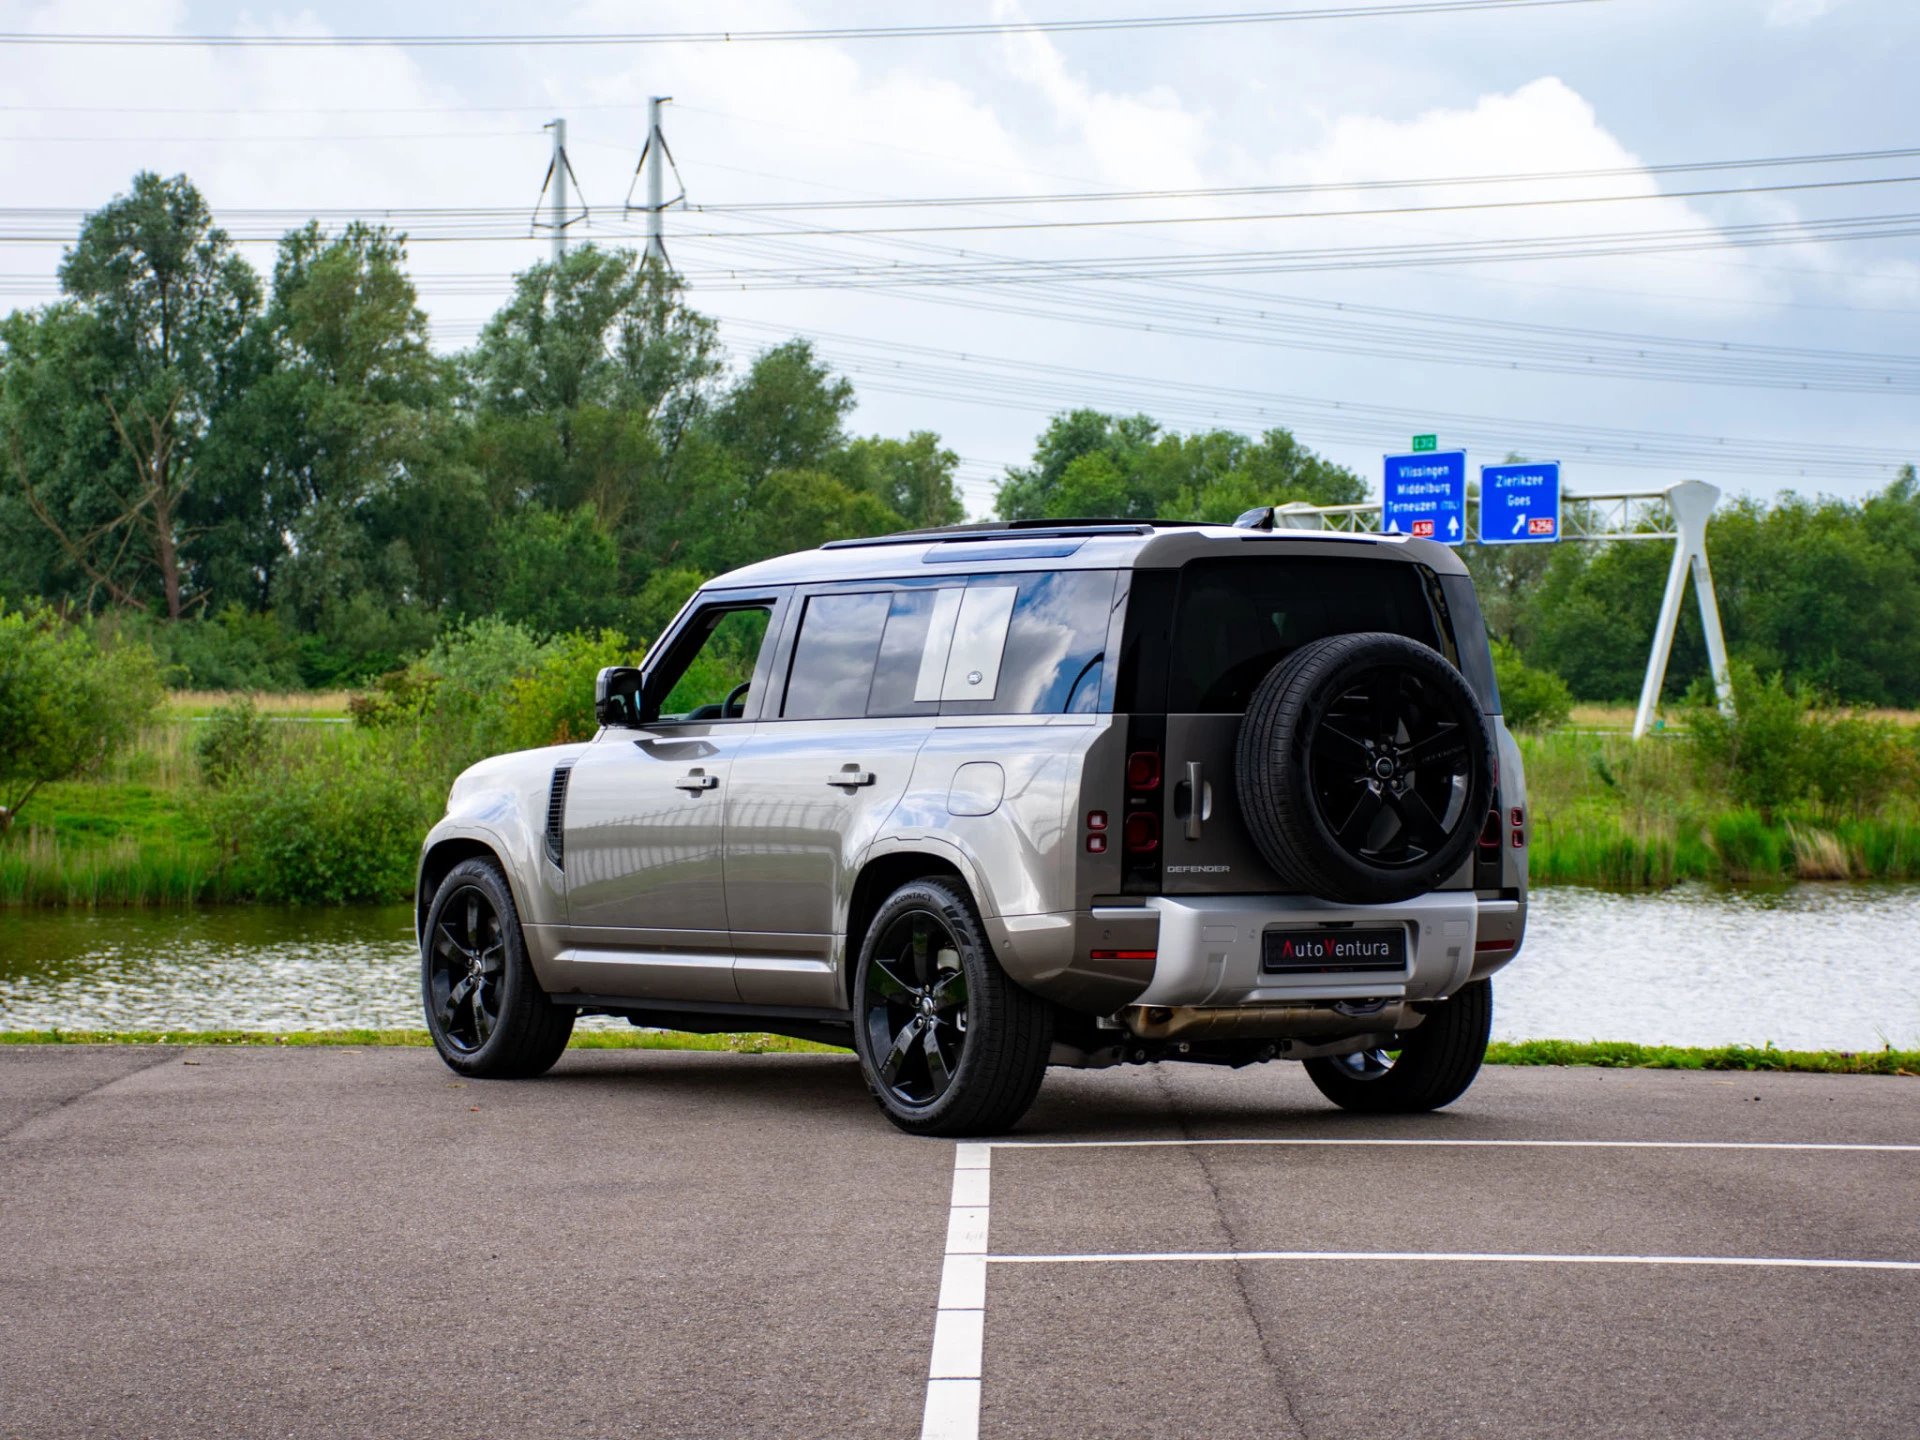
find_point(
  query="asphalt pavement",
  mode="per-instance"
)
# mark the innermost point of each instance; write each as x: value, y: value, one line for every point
x: 263, y: 1242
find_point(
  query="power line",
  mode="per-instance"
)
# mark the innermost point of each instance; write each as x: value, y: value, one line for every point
x: 836, y: 33
x: 1222, y: 192
x: 1133, y: 221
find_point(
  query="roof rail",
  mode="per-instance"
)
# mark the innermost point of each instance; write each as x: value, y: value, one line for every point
x: 964, y: 534
x: 1075, y: 529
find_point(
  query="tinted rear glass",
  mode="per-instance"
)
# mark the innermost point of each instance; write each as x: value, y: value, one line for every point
x: 1234, y: 620
x: 1054, y: 648
x: 834, y: 658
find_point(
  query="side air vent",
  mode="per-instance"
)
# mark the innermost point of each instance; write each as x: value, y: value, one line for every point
x: 557, y: 815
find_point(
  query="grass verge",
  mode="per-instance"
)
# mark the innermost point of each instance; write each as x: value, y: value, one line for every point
x: 1623, y: 1055
x: 1606, y: 1054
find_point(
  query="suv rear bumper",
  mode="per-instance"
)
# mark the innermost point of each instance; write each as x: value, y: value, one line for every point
x: 1209, y: 949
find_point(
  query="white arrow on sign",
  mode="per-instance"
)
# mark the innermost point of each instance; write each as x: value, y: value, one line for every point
x: 1453, y: 525
x: 1519, y: 521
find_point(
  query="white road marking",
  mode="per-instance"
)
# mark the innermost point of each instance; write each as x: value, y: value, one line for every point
x: 959, y: 1324
x: 959, y: 1329
x: 1467, y: 1144
x: 1460, y: 1257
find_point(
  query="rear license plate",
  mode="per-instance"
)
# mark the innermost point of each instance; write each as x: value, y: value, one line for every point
x: 1319, y: 952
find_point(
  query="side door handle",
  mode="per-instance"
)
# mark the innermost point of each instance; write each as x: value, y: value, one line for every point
x: 697, y: 781
x: 851, y: 775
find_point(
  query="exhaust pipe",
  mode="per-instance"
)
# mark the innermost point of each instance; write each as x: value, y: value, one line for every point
x: 1269, y: 1022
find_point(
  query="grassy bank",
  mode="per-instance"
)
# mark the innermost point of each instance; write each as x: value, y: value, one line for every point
x: 1607, y: 1054
x: 1605, y: 810
x: 1610, y: 811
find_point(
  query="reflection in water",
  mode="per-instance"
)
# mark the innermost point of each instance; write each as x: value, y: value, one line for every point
x: 1820, y: 967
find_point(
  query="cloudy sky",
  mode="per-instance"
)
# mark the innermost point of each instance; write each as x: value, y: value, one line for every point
x: 1625, y: 335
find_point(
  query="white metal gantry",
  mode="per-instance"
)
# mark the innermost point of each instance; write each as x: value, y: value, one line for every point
x: 1678, y: 513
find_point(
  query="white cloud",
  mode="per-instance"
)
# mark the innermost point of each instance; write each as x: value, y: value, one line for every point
x: 1798, y: 12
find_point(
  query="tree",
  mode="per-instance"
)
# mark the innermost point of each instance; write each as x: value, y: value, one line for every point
x: 1089, y: 464
x: 66, y: 706
x: 142, y: 359
x: 785, y: 413
x: 911, y: 477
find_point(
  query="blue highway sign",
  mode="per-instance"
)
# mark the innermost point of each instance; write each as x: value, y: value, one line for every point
x: 1426, y: 495
x: 1520, y: 504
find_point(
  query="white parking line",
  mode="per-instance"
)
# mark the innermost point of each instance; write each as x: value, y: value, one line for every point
x: 959, y: 1328
x: 953, y: 1374
x: 1459, y: 1256
x: 1463, y: 1144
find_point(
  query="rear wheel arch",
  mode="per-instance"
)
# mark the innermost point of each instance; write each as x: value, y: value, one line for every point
x: 877, y: 880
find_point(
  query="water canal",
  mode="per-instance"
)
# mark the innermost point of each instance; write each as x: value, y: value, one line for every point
x: 1814, y: 967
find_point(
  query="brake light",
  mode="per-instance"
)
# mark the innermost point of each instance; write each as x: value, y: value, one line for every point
x: 1096, y: 844
x: 1143, y: 770
x: 1518, y: 818
x: 1142, y: 833
x: 1097, y: 820
x: 1490, y: 832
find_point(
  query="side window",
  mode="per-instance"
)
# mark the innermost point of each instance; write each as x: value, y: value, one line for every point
x: 833, y: 660
x: 1038, y: 645
x: 913, y: 652
x: 712, y: 662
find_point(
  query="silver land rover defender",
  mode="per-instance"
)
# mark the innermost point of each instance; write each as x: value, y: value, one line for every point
x: 987, y: 799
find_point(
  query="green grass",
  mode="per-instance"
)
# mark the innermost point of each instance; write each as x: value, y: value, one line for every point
x: 1606, y: 1054
x: 1623, y: 1055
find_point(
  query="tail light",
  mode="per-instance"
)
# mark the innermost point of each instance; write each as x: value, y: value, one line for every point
x: 1490, y: 832
x: 1518, y: 819
x: 1143, y: 770
x: 1142, y: 832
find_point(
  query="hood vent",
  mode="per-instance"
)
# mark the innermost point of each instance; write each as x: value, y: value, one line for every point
x: 557, y: 815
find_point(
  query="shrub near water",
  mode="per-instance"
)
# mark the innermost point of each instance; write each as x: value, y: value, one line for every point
x: 335, y: 821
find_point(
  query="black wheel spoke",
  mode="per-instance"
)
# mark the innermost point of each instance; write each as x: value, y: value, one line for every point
x: 939, y: 1071
x: 473, y: 921
x: 888, y: 982
x: 902, y: 1045
x: 1359, y: 746
x: 444, y: 933
x: 1354, y: 830
x: 483, y: 1015
x: 950, y: 989
x: 1445, y: 734
x: 1423, y: 826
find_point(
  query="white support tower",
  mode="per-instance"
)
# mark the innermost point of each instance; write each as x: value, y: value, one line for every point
x: 557, y: 172
x: 1691, y: 505
x: 1679, y: 513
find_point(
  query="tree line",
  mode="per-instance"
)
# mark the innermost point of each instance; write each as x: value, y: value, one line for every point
x: 278, y: 481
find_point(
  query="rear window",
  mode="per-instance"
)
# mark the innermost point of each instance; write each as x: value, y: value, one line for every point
x: 1234, y: 620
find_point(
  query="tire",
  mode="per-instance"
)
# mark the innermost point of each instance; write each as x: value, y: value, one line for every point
x: 487, y: 1014
x: 949, y: 1045
x: 1438, y: 1060
x: 1364, y: 769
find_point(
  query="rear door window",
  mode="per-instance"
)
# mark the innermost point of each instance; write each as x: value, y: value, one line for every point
x: 1235, y: 619
x: 834, y: 658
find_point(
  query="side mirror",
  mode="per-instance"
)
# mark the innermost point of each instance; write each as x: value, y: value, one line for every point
x: 617, y: 693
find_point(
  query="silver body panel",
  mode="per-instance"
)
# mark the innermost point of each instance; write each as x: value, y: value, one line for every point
x: 739, y: 888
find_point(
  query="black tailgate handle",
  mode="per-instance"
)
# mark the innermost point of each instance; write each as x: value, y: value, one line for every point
x: 1198, y: 797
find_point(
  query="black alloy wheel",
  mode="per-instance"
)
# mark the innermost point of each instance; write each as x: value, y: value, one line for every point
x: 466, y: 964
x: 916, y: 1007
x: 1390, y: 768
x: 485, y: 1009
x: 949, y: 1044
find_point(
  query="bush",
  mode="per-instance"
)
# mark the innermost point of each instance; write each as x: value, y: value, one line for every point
x: 1531, y: 698
x: 238, y: 650
x: 327, y: 823
x: 553, y: 703
x: 67, y: 706
x: 1781, y: 747
x: 236, y: 742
